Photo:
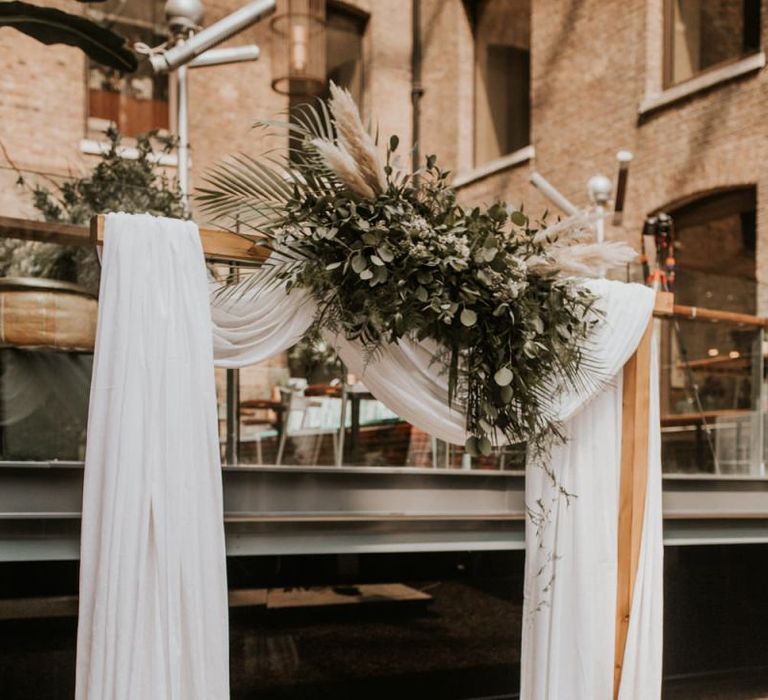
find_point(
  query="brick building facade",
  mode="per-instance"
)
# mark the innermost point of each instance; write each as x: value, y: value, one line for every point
x: 597, y: 83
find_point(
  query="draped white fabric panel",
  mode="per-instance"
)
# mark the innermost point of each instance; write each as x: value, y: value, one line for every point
x: 571, y: 563
x: 405, y: 376
x: 153, y: 618
x: 263, y: 322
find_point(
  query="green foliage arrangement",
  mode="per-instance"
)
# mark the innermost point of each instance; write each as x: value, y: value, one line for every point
x: 115, y: 184
x: 391, y: 256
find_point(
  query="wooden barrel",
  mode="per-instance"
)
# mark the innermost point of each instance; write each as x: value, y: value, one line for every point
x: 46, y: 314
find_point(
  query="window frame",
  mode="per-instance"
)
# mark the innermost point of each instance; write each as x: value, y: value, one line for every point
x: 515, y: 156
x: 97, y: 124
x: 362, y: 19
x: 668, y: 47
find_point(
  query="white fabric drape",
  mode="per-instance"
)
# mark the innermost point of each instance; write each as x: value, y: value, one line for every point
x: 571, y: 550
x: 258, y: 324
x: 153, y: 620
x: 571, y: 562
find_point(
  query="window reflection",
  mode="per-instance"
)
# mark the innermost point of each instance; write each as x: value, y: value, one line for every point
x: 135, y: 103
x: 702, y: 34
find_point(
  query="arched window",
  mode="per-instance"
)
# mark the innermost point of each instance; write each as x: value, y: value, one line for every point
x: 712, y: 372
x: 502, y: 31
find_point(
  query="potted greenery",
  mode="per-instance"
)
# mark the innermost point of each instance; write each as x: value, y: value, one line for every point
x: 49, y: 291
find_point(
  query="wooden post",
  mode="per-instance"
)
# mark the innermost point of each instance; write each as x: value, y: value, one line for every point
x: 633, y: 479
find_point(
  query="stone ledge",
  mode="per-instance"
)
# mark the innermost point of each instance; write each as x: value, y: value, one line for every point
x: 701, y: 82
x: 522, y: 155
x: 91, y: 147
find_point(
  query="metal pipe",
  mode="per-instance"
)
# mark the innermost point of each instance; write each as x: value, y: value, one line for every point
x: 219, y: 57
x: 600, y: 223
x: 212, y: 36
x: 233, y: 397
x: 417, y: 90
x: 624, y: 158
x: 183, y: 131
x: 233, y: 417
x: 552, y: 194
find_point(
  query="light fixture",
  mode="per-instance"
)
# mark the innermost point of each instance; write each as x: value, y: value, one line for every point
x: 298, y: 49
x: 193, y: 47
x: 196, y: 43
x: 600, y: 189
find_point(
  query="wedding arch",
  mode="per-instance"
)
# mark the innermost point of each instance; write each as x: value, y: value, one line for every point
x: 477, y: 326
x: 625, y: 553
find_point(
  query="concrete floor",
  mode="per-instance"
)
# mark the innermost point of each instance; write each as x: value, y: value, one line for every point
x: 462, y: 644
x: 748, y: 684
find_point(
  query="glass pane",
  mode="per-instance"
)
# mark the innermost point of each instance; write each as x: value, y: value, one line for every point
x: 706, y: 34
x: 344, y: 51
x: 43, y: 404
x: 712, y: 418
x: 291, y: 411
x: 150, y: 13
x: 138, y: 102
x: 502, y: 83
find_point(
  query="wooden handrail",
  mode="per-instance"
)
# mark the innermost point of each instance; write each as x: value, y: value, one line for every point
x: 44, y: 231
x: 224, y: 246
x: 714, y: 315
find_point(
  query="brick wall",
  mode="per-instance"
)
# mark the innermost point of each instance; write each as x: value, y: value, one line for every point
x: 593, y: 64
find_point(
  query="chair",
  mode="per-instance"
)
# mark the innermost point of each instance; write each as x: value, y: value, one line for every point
x: 309, y: 416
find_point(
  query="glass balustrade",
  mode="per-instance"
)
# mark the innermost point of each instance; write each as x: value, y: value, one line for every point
x: 290, y: 409
x: 712, y: 397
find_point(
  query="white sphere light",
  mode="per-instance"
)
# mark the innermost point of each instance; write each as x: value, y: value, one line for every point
x: 600, y: 189
x: 187, y: 14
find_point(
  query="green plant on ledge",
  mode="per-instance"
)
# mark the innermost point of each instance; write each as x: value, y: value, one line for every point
x: 135, y: 185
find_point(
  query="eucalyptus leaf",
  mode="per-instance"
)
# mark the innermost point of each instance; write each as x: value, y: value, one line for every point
x: 472, y: 446
x: 359, y: 263
x: 518, y: 218
x: 468, y: 317
x: 385, y: 253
